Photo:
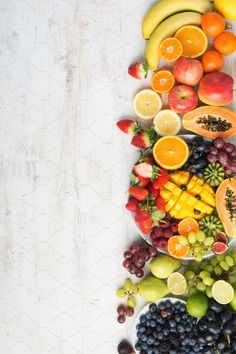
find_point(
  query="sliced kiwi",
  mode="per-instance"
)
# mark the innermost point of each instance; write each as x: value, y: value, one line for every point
x: 214, y: 174
x: 211, y: 225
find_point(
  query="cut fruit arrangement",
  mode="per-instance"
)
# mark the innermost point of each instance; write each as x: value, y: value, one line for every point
x: 182, y: 193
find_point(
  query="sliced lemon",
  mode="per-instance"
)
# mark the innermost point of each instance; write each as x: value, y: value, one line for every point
x: 177, y: 284
x: 167, y: 122
x: 147, y: 103
x: 222, y: 292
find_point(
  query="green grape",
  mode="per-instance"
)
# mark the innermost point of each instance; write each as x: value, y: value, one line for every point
x: 208, y: 281
x: 135, y: 289
x: 220, y: 257
x: 128, y: 285
x: 224, y: 266
x: 197, y: 249
x: 191, y: 291
x: 229, y: 260
x: 189, y: 275
x: 218, y: 270
x: 209, y: 241
x: 121, y: 292
x: 131, y: 301
x: 209, y: 268
x: 209, y: 292
x: 198, y: 257
x: 233, y: 253
x: 192, y: 238
x: 201, y: 236
x: 213, y: 261
x: 203, y: 264
x: 232, y: 279
x: 201, y: 286
x: 203, y: 274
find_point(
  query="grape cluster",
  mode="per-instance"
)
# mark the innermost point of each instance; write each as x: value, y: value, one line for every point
x: 160, y: 234
x: 217, y: 330
x: 198, y: 156
x: 167, y: 328
x: 225, y: 153
x: 128, y: 291
x: 199, y: 244
x: 136, y: 256
x: 203, y: 277
x: 124, y: 311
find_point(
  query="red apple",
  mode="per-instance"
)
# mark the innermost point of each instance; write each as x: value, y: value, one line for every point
x: 216, y: 89
x: 182, y: 99
x: 188, y: 71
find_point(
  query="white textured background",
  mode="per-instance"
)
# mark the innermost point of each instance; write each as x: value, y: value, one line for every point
x: 64, y: 171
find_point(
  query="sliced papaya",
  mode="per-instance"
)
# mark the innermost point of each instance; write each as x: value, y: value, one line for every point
x: 211, y: 122
x: 226, y: 205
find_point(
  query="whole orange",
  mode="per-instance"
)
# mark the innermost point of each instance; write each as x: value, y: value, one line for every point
x: 212, y: 24
x: 212, y: 61
x: 225, y: 43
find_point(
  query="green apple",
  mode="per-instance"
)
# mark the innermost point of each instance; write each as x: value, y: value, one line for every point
x: 152, y: 289
x: 163, y: 266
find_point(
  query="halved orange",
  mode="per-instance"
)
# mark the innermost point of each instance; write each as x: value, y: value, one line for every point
x: 178, y: 246
x: 171, y: 49
x: 170, y: 152
x: 163, y: 81
x: 193, y: 40
x: 187, y: 225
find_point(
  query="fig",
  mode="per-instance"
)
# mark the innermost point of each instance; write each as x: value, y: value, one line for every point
x: 221, y: 237
x: 219, y: 247
x: 125, y: 348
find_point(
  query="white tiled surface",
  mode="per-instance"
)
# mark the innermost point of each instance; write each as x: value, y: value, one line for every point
x: 64, y: 171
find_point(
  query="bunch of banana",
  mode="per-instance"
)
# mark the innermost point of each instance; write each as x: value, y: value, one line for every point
x: 165, y: 18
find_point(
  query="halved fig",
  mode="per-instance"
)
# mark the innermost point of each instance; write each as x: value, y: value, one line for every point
x: 219, y: 247
x: 221, y: 237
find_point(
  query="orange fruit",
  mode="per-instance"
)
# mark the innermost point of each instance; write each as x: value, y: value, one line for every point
x: 225, y: 43
x: 213, y: 24
x: 193, y: 40
x: 178, y: 246
x: 187, y: 225
x: 171, y: 49
x: 163, y: 81
x: 212, y: 61
x: 170, y: 152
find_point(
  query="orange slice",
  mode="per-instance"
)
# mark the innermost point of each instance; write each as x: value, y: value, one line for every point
x: 171, y: 49
x: 170, y: 152
x: 178, y: 247
x: 187, y: 225
x: 163, y: 81
x: 147, y: 103
x: 193, y: 40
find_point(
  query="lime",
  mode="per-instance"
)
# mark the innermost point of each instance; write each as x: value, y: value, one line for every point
x: 197, y: 305
x: 222, y: 292
x: 177, y: 284
x: 233, y: 301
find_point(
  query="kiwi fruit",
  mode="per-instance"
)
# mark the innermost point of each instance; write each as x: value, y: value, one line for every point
x: 214, y: 174
x: 211, y: 225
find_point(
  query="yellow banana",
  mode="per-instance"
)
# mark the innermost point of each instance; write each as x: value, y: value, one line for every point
x: 166, y: 8
x: 166, y: 29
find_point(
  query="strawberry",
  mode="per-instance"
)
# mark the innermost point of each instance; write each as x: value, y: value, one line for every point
x: 138, y: 180
x: 128, y: 126
x: 144, y: 169
x: 139, y: 193
x: 153, y: 191
x: 144, y: 139
x: 138, y: 70
x: 161, y: 179
x: 132, y: 205
x: 146, y: 226
x: 142, y: 215
x: 161, y: 205
x: 147, y: 158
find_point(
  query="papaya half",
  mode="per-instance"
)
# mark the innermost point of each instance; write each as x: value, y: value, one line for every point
x: 226, y: 205
x: 211, y: 122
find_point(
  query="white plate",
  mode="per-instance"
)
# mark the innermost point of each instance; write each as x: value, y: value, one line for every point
x: 148, y: 238
x: 173, y: 300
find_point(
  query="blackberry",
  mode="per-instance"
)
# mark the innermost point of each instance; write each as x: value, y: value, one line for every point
x: 173, y: 340
x: 164, y: 347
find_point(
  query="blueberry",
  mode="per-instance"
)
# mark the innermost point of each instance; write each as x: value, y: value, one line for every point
x: 138, y: 346
x: 148, y: 315
x: 177, y: 318
x: 192, y: 341
x: 160, y: 335
x: 168, y: 304
x: 153, y: 307
x: 211, y: 316
x: 144, y: 337
x: 172, y: 351
x: 188, y: 328
x: 159, y: 319
x: 144, y: 345
x: 148, y: 323
x: 162, y: 306
x: 181, y: 328
x: 172, y: 323
x: 173, y: 330
x: 156, y: 343
x: 158, y: 328
x: 166, y: 331
x: 150, y: 340
x: 143, y: 319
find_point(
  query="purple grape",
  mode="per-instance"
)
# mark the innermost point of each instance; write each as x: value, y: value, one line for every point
x: 211, y: 158
x: 219, y: 143
x: 135, y: 248
x: 132, y: 268
x: 121, y: 310
x: 232, y: 166
x: 127, y: 263
x: 228, y: 171
x: 128, y: 255
x: 152, y: 251
x: 139, y: 273
x: 140, y: 257
x: 213, y: 150
x: 121, y: 319
x: 129, y: 311
x: 228, y: 147
x: 233, y: 153
x: 174, y: 227
x: 222, y: 158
